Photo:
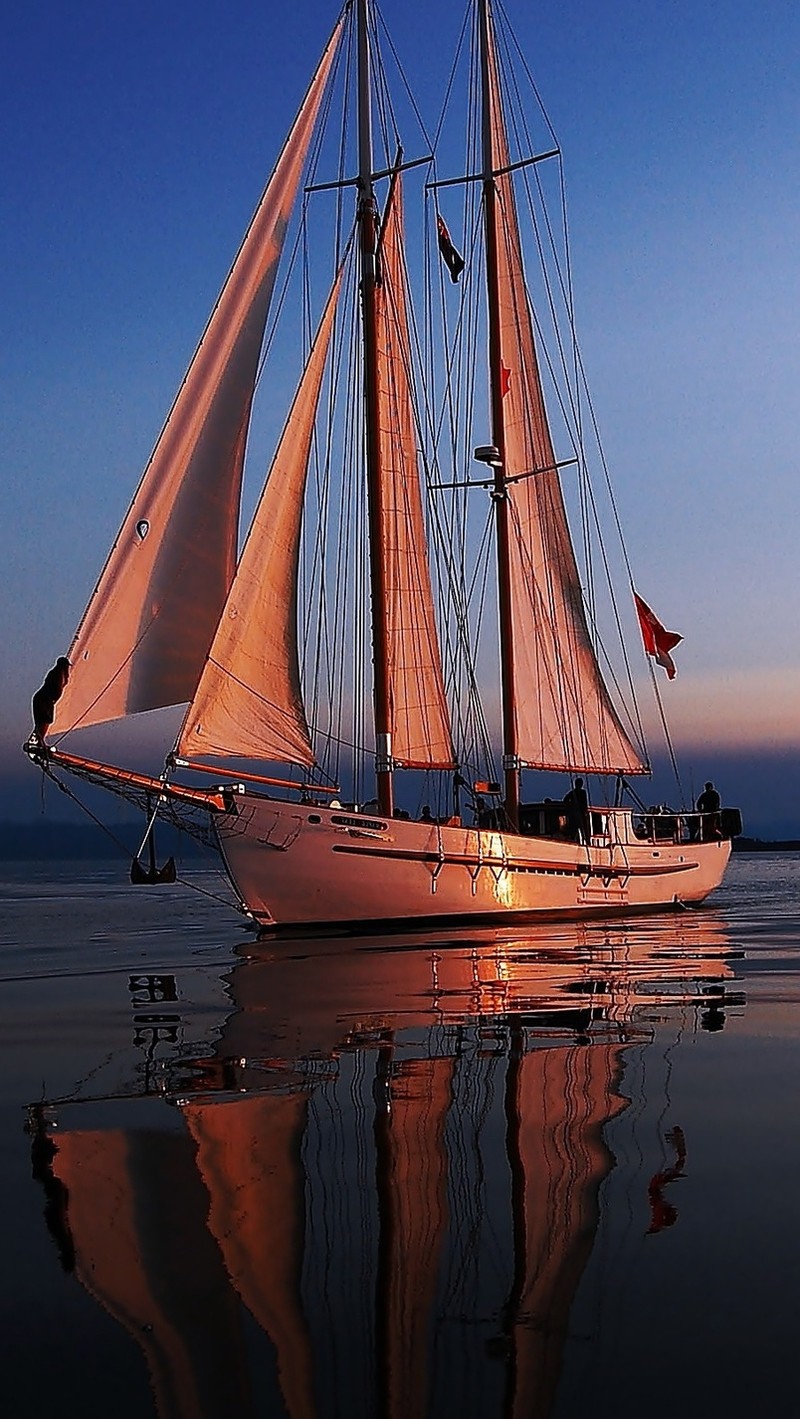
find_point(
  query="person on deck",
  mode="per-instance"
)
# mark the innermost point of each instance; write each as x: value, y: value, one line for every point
x: 709, y: 805
x: 43, y: 704
x: 577, y: 805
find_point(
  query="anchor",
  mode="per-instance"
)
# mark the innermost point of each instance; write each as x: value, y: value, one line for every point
x: 151, y: 875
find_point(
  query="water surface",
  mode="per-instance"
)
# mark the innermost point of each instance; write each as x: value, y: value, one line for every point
x: 502, y: 1173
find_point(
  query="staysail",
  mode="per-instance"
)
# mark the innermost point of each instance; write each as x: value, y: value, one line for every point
x: 565, y: 718
x: 420, y: 720
x: 249, y: 702
x: 146, y: 631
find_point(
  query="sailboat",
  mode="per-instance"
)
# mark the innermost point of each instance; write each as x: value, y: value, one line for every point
x: 338, y: 657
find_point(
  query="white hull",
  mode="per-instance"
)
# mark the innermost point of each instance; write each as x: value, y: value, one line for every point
x: 295, y: 865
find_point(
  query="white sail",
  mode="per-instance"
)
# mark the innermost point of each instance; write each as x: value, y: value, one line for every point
x: 145, y: 634
x: 248, y: 701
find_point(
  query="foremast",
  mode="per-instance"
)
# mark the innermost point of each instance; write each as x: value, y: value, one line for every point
x: 368, y: 241
x: 511, y: 761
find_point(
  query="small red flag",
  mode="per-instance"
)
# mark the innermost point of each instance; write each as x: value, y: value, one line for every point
x: 452, y: 260
x: 658, y: 641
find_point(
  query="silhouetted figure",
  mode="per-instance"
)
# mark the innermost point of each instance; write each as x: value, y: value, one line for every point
x: 425, y: 815
x: 43, y: 1152
x: 709, y: 805
x: 43, y: 704
x: 662, y: 1213
x: 577, y: 806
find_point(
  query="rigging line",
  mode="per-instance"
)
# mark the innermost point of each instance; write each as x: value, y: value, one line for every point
x: 70, y: 729
x: 590, y: 606
x: 161, y: 434
x: 545, y: 610
x: 403, y: 315
x: 459, y: 336
x: 634, y: 726
x: 568, y: 299
x: 381, y: 25
x: 466, y: 661
x: 541, y: 344
x: 665, y: 727
x: 564, y: 691
x: 317, y: 642
x: 631, y: 700
x: 124, y: 849
x: 434, y: 513
x: 318, y: 558
x: 448, y: 546
x: 451, y: 80
x: 322, y: 650
x: 482, y: 726
x: 69, y: 793
x: 152, y: 818
x: 557, y: 251
x: 517, y: 120
x: 508, y: 38
x: 576, y: 403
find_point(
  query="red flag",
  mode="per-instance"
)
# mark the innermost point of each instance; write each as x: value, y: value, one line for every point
x: 658, y: 642
x: 452, y: 260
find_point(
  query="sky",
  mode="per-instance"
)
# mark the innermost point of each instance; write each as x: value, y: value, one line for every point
x: 136, y: 140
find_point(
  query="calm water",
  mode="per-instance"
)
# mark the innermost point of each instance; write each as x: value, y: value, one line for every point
x: 507, y: 1174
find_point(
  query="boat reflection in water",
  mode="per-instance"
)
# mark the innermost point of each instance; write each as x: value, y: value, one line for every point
x: 392, y: 1162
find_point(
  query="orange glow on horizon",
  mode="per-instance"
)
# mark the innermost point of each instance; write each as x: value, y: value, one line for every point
x: 738, y: 710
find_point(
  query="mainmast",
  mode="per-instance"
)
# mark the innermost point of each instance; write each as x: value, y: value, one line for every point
x: 367, y: 217
x: 511, y: 762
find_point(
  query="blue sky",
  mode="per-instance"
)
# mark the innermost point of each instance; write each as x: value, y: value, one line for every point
x: 136, y: 139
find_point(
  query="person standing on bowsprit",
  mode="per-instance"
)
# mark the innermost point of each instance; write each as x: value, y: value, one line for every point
x: 43, y: 704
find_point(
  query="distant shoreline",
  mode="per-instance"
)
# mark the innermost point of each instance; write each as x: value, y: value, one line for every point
x: 765, y: 845
x: 84, y: 842
x: 80, y: 842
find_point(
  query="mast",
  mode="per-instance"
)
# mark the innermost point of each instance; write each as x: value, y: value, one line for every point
x: 511, y: 763
x: 368, y: 242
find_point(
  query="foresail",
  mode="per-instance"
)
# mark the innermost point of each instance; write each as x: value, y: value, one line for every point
x: 565, y: 717
x: 421, y: 735
x: 145, y: 634
x: 248, y: 702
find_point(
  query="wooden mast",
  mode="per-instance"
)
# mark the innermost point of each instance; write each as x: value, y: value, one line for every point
x: 368, y: 243
x: 511, y: 763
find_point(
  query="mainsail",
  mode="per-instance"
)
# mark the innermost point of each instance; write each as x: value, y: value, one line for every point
x: 420, y: 719
x: 564, y: 715
x: 248, y: 701
x: 145, y: 634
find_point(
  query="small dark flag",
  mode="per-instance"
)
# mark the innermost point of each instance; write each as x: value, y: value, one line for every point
x: 451, y: 258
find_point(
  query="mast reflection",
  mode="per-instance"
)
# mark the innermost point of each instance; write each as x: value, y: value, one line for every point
x: 378, y: 1192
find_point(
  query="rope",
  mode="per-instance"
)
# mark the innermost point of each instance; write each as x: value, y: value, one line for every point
x: 124, y: 850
